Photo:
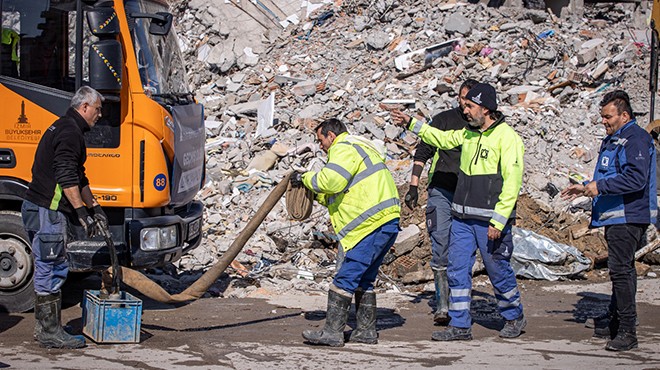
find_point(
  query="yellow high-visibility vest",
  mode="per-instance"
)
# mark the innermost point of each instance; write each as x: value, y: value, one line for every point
x: 357, y: 188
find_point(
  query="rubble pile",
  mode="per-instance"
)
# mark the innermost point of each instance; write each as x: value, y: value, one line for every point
x: 265, y: 87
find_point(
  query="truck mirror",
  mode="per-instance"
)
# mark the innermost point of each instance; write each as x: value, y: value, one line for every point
x: 105, y: 66
x: 161, y: 27
x: 103, y: 21
x: 161, y: 22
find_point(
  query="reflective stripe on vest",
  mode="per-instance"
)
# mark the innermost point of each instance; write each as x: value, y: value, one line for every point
x: 481, y: 212
x: 334, y: 167
x: 366, y: 214
x: 612, y: 214
x: 621, y: 214
x: 417, y: 127
x: 370, y: 170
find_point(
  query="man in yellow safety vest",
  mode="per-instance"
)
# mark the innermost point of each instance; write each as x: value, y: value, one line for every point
x: 364, y: 208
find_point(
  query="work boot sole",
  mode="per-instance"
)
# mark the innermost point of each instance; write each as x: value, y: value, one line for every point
x: 332, y: 342
x: 363, y: 340
x: 59, y: 345
x: 441, y: 338
x: 619, y: 349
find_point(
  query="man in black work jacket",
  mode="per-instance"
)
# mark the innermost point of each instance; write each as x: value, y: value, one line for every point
x: 442, y: 179
x: 60, y: 189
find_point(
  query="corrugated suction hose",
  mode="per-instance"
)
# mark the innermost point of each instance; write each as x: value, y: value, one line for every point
x: 154, y: 291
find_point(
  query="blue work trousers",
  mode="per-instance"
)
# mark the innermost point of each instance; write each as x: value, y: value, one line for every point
x: 466, y: 237
x: 48, y: 232
x: 359, y: 268
x: 438, y: 224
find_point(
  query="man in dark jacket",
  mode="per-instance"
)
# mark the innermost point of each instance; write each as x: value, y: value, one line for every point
x: 442, y: 179
x: 60, y: 189
x: 624, y: 202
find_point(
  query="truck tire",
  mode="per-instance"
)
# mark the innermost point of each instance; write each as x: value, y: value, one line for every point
x: 16, y: 264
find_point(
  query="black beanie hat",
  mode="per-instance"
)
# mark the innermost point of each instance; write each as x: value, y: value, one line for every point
x: 484, y: 95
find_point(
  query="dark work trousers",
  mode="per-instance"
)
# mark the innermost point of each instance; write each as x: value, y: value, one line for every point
x: 622, y: 242
x: 438, y: 222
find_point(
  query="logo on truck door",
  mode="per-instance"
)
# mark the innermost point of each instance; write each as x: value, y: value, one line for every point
x: 160, y: 181
x: 22, y: 132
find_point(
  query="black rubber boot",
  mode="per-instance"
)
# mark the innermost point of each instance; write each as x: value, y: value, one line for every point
x: 365, y: 315
x: 48, y: 329
x: 452, y: 333
x: 441, y: 314
x: 339, y: 302
x: 625, y: 340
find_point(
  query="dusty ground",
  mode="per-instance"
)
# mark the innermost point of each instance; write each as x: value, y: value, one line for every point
x: 265, y: 333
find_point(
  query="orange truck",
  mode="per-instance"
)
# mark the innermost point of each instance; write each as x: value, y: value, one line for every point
x: 145, y: 157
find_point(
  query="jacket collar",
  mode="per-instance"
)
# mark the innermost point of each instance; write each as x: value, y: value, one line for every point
x: 624, y: 127
x: 80, y: 121
x: 339, y: 138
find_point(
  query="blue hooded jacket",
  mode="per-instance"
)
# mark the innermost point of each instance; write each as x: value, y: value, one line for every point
x: 625, y: 177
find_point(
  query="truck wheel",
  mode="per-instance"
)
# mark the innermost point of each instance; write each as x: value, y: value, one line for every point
x: 16, y: 267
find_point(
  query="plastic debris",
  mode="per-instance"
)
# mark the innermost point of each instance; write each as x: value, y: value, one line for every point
x: 538, y: 257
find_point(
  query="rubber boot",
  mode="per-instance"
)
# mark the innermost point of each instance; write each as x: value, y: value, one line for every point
x: 441, y: 314
x: 339, y: 302
x: 48, y: 329
x: 365, y: 315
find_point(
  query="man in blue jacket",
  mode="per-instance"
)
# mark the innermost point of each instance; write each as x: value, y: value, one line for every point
x: 624, y: 202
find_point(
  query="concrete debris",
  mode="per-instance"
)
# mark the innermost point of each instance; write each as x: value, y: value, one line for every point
x: 341, y: 59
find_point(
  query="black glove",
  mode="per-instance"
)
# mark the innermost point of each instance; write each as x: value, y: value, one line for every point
x: 411, y: 197
x: 86, y: 221
x: 101, y: 221
x: 296, y: 180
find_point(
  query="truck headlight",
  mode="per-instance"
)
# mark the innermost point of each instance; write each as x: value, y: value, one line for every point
x: 155, y: 238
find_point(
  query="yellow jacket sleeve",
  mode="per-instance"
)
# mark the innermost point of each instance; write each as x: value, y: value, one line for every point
x: 343, y: 164
x: 511, y: 161
x: 442, y: 139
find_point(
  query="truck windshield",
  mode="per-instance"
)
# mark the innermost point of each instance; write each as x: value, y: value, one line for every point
x: 159, y: 58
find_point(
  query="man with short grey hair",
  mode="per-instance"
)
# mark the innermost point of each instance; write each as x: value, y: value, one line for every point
x: 59, y: 190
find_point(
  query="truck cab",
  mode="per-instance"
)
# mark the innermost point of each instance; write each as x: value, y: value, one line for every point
x: 145, y: 156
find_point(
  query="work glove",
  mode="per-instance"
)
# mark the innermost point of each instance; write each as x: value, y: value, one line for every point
x: 296, y: 179
x: 411, y: 197
x: 86, y: 221
x: 101, y: 221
